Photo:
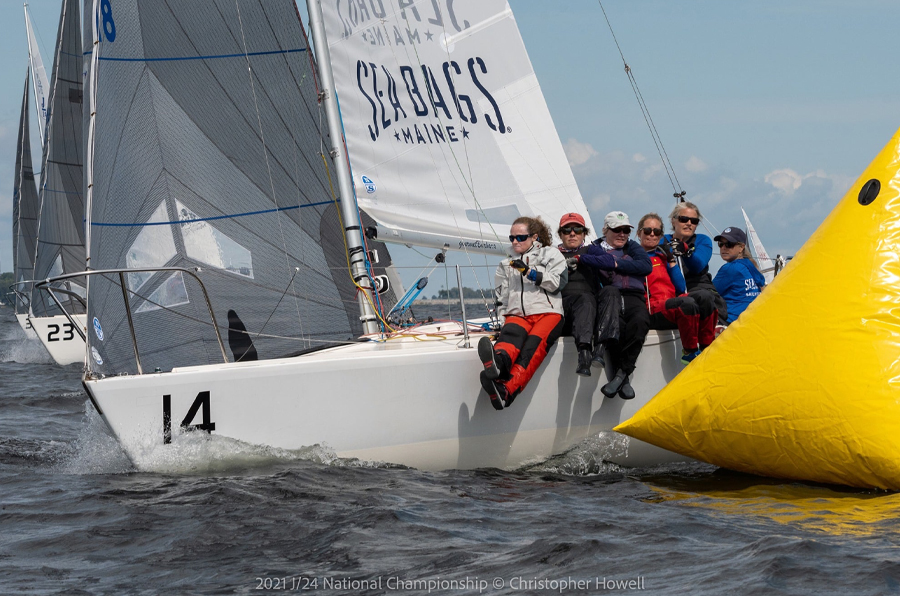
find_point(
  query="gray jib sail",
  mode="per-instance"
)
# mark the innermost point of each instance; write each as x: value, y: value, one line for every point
x: 60, y: 246
x: 208, y: 153
x: 25, y: 207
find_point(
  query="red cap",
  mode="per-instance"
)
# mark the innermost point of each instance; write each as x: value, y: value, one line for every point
x: 571, y: 218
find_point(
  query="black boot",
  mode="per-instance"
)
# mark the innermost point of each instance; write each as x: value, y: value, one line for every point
x: 486, y: 354
x: 584, y: 363
x: 495, y: 390
x: 611, y: 388
x: 597, y: 356
x: 626, y: 391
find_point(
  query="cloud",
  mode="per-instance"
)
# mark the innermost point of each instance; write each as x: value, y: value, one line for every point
x: 695, y: 164
x: 785, y: 206
x: 578, y: 153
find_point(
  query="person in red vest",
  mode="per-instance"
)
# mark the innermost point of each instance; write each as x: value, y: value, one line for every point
x: 670, y: 305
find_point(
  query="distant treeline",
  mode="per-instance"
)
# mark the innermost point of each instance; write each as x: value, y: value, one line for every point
x: 6, y: 279
x: 467, y: 293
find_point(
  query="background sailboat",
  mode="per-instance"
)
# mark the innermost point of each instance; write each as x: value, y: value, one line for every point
x: 25, y: 218
x: 60, y: 245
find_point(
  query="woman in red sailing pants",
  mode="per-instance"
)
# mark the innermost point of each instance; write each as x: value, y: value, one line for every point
x: 530, y: 305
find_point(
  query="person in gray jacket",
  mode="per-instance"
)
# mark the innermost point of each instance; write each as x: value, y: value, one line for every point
x: 527, y: 289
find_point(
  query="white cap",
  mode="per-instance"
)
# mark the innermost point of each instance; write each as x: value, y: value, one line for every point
x: 616, y: 219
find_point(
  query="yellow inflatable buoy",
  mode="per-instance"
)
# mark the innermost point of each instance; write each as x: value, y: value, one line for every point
x: 805, y: 384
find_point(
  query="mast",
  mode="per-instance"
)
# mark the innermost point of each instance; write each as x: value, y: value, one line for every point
x: 349, y: 213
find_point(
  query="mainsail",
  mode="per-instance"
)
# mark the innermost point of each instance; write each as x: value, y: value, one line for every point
x: 39, y: 73
x: 210, y: 152
x: 60, y: 247
x: 447, y: 129
x: 25, y: 208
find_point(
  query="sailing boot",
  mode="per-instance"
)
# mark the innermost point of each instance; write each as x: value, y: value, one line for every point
x: 687, y: 356
x: 597, y: 356
x: 495, y: 390
x: 486, y: 353
x: 584, y: 363
x: 626, y: 391
x: 611, y: 388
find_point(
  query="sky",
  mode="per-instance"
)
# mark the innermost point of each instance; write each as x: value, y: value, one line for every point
x: 776, y: 106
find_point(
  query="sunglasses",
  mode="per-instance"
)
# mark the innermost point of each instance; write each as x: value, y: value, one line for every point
x: 621, y: 230
x: 652, y: 231
x: 727, y: 244
x: 685, y: 219
x: 572, y: 230
x: 519, y: 237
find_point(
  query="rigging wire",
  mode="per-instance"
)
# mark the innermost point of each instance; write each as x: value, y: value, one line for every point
x: 657, y: 140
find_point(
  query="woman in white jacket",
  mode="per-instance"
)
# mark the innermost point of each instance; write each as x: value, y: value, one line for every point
x: 530, y: 306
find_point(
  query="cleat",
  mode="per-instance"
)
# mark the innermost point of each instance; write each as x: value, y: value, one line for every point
x: 584, y: 363
x: 611, y: 388
x: 687, y: 356
x: 486, y: 354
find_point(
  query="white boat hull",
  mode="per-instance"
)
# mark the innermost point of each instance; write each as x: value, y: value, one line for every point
x: 416, y: 403
x: 60, y: 337
x: 26, y: 326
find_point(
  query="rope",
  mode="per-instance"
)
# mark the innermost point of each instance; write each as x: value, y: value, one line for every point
x: 645, y: 111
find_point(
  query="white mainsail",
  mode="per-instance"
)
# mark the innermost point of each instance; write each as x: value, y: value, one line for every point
x: 766, y: 264
x: 39, y: 74
x: 449, y: 139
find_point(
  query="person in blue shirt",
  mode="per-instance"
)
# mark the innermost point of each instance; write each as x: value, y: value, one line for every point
x: 739, y: 280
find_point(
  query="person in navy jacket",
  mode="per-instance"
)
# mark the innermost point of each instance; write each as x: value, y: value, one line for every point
x: 739, y: 280
x: 623, y: 267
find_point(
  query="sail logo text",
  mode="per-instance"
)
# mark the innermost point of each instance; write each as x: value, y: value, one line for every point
x: 355, y: 14
x: 396, y: 96
x: 478, y: 244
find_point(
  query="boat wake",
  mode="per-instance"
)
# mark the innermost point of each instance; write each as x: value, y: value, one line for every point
x: 96, y: 451
x: 17, y: 347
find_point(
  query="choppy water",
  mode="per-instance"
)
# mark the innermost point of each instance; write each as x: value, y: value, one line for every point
x: 216, y: 517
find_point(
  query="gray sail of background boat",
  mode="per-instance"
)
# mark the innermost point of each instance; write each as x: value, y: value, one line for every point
x: 60, y: 244
x: 26, y: 206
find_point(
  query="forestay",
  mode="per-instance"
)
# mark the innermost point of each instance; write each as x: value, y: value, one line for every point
x: 60, y: 247
x: 447, y: 129
x: 25, y: 207
x: 208, y: 153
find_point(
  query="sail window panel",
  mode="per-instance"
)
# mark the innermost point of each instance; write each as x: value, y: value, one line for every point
x: 172, y: 292
x: 204, y: 243
x: 153, y: 247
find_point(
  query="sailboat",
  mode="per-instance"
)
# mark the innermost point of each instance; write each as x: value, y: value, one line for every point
x: 57, y: 311
x: 805, y: 395
x: 232, y: 288
x: 25, y: 216
x: 26, y: 202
